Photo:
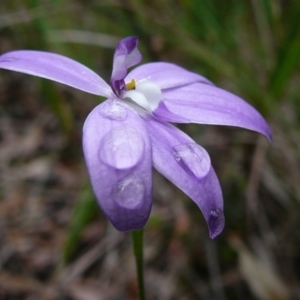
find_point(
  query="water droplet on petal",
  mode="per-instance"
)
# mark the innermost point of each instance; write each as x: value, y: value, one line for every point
x: 113, y: 111
x: 121, y: 148
x: 216, y: 222
x: 193, y: 159
x: 130, y: 192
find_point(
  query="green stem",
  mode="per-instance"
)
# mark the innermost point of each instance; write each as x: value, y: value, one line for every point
x: 137, y: 240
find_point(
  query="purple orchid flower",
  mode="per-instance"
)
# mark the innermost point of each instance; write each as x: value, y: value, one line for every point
x: 129, y: 133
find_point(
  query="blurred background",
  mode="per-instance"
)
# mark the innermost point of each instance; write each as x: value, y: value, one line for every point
x: 55, y: 243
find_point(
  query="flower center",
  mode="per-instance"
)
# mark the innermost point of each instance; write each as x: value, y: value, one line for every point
x: 130, y: 85
x: 145, y: 94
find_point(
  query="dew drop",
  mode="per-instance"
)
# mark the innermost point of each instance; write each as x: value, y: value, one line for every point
x: 193, y: 159
x: 130, y: 192
x: 113, y: 111
x: 216, y: 222
x: 121, y: 148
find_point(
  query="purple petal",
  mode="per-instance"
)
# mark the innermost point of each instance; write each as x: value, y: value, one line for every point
x: 165, y: 75
x: 126, y: 55
x: 204, y: 104
x: 55, y: 67
x: 163, y: 114
x: 117, y: 151
x: 187, y: 165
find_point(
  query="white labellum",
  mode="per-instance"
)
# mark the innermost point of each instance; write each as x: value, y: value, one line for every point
x: 146, y: 94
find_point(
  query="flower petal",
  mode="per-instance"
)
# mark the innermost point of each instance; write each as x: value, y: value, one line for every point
x: 204, y: 104
x: 164, y: 114
x: 187, y: 165
x: 55, y: 67
x: 152, y: 93
x: 165, y: 75
x: 117, y: 151
x: 126, y: 55
x: 137, y: 98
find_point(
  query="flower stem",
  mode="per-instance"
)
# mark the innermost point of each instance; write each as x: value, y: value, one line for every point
x: 137, y: 240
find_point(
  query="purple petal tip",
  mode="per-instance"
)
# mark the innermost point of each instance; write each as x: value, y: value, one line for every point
x: 127, y: 45
x: 126, y: 55
x: 216, y: 222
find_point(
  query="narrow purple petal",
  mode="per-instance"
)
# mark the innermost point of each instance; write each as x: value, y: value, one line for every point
x: 164, y: 114
x: 55, y: 67
x: 165, y: 75
x: 204, y: 104
x: 117, y: 151
x: 187, y: 165
x: 126, y: 55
